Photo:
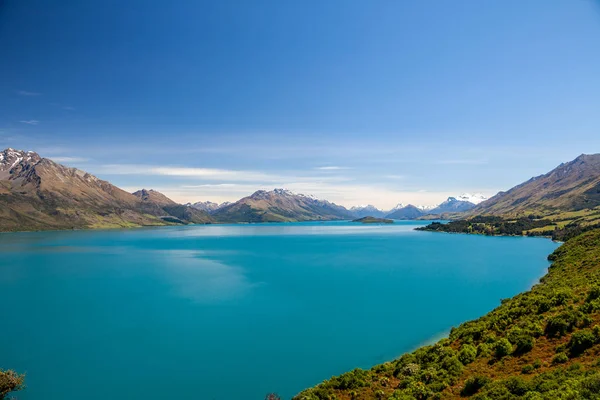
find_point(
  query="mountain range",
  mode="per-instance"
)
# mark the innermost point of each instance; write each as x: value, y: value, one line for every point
x: 280, y: 205
x: 38, y: 193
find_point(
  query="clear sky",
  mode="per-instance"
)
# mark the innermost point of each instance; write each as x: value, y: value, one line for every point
x: 358, y: 102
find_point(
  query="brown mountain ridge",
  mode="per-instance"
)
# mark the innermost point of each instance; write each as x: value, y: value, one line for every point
x: 38, y: 194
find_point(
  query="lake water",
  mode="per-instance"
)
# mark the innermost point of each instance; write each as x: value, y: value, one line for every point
x: 235, y: 311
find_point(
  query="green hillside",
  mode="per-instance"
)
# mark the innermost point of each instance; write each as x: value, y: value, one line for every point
x: 541, y: 344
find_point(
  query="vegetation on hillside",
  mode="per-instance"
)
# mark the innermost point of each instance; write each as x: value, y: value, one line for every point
x: 10, y: 381
x: 532, y: 225
x: 373, y: 220
x: 541, y: 344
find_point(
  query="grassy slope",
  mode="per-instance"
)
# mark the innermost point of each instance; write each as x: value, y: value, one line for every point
x: 553, y: 345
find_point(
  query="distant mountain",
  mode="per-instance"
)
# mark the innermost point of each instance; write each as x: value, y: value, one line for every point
x: 152, y: 196
x: 406, y: 212
x: 397, y: 207
x: 208, y: 206
x: 280, y: 205
x: 182, y: 213
x: 367, y: 211
x: 452, y: 205
x: 37, y: 193
x: 475, y: 198
x: 571, y: 186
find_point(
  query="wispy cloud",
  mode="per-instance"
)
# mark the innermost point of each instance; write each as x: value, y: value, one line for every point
x: 397, y: 177
x: 462, y: 161
x: 68, y: 159
x: 26, y: 93
x: 203, y: 173
x: 30, y: 122
x: 331, y: 168
x: 68, y: 108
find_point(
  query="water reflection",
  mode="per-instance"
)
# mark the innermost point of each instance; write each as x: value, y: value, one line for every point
x: 204, y: 280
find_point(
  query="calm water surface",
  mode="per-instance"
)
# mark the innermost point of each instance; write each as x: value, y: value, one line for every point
x: 235, y: 311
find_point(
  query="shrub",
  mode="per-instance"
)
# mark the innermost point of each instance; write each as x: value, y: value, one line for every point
x: 502, y: 348
x: 580, y: 341
x: 561, y: 297
x: 593, y: 294
x: 10, y: 381
x: 527, y: 369
x: 516, y: 385
x: 524, y: 343
x: 452, y: 365
x: 467, y: 354
x: 483, y: 350
x: 473, y: 384
x: 560, y: 358
x: 560, y: 324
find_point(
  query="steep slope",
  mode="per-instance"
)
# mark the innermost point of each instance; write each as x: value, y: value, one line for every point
x: 280, y: 205
x: 181, y: 212
x: 37, y: 193
x: 541, y: 344
x: 367, y: 211
x: 452, y: 205
x: 406, y: 212
x: 571, y: 186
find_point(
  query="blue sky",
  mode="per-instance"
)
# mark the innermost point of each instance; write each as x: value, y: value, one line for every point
x: 358, y: 102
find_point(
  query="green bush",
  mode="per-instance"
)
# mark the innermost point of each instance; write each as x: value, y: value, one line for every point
x: 473, y: 384
x: 483, y: 350
x: 527, y: 369
x: 581, y: 341
x: 560, y: 324
x: 516, y: 385
x: 502, y: 348
x: 560, y: 358
x: 593, y: 294
x: 467, y: 354
x: 524, y: 344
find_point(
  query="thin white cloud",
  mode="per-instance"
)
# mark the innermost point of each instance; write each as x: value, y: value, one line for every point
x: 202, y: 173
x: 30, y: 122
x: 68, y: 108
x: 331, y: 168
x: 396, y: 177
x: 214, y: 174
x: 68, y: 159
x: 462, y: 161
x: 26, y: 93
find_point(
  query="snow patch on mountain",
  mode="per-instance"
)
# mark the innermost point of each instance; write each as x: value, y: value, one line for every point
x: 474, y: 198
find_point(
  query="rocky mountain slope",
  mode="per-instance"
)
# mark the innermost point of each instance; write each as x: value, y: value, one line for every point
x: 571, y: 186
x: 174, y: 212
x: 406, y: 212
x: 367, y: 211
x: 37, y: 193
x: 208, y: 206
x: 280, y: 205
x: 452, y: 205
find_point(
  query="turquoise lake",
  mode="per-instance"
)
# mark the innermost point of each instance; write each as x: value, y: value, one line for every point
x: 236, y: 311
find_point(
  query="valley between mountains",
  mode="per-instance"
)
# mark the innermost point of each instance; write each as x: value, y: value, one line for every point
x: 37, y: 193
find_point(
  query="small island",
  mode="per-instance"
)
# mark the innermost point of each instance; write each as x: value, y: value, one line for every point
x: 373, y: 220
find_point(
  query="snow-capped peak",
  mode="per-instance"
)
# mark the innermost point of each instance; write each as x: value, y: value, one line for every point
x: 10, y: 157
x: 475, y: 198
x: 398, y: 206
x: 365, y: 207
